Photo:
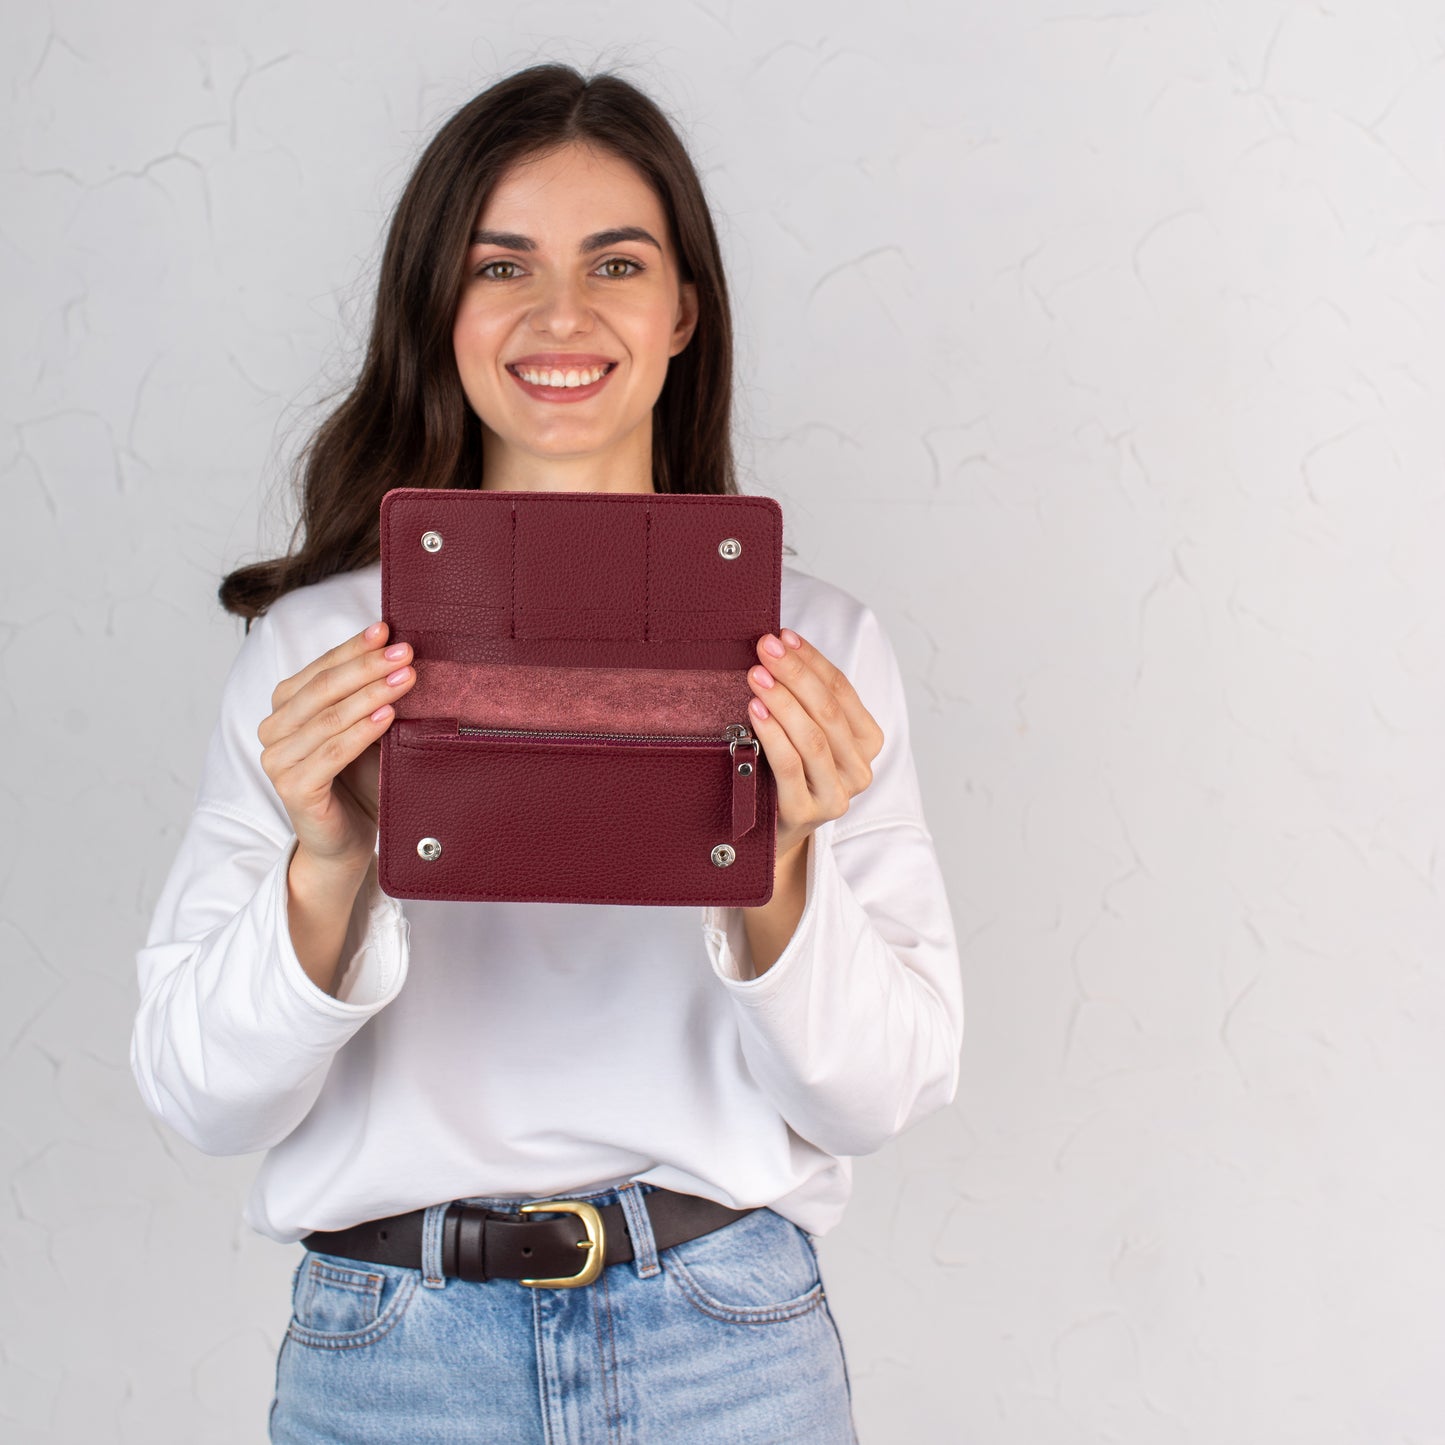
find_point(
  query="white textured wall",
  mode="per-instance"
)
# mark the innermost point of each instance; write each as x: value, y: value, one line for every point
x: 1100, y: 350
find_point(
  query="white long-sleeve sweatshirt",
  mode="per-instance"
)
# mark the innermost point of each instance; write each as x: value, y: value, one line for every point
x: 535, y: 1050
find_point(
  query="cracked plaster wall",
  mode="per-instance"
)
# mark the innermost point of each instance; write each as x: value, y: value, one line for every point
x: 1099, y: 349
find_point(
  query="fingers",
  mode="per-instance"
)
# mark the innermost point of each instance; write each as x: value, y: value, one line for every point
x: 811, y: 780
x: 826, y: 696
x: 323, y: 719
x: 371, y: 640
x: 337, y: 705
x: 819, y: 738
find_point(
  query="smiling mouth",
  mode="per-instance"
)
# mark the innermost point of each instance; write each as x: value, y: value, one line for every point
x: 562, y: 379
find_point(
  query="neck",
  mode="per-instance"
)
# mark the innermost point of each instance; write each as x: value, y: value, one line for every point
x: 627, y: 467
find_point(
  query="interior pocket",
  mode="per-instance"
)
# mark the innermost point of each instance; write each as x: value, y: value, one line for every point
x: 622, y: 820
x: 579, y: 699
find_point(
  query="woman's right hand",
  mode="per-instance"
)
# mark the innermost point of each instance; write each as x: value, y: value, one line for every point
x: 320, y: 746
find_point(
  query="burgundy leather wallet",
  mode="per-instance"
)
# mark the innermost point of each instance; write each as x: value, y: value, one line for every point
x: 578, y: 731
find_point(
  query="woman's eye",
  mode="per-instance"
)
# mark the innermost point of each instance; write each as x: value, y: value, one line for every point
x: 488, y: 271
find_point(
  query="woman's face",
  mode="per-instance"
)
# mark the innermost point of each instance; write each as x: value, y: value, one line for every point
x: 547, y: 289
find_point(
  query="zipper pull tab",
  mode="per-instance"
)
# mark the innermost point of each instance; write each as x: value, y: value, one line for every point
x: 745, y: 755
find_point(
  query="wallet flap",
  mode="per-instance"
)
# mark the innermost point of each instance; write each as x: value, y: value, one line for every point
x: 581, y: 578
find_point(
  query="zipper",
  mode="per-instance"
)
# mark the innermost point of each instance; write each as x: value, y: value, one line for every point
x: 736, y: 735
x: 735, y: 732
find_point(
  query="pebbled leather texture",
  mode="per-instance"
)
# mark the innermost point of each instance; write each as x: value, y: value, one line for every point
x: 580, y: 614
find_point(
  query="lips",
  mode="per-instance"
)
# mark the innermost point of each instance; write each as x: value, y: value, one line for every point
x: 563, y: 393
x: 562, y: 359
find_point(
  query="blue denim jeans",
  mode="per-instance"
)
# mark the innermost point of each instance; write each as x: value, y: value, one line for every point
x: 726, y: 1338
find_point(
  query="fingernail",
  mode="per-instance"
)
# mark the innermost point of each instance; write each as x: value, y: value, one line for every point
x: 373, y: 632
x: 771, y: 644
x: 762, y: 677
x: 757, y: 706
x: 790, y: 637
x: 398, y: 676
x: 392, y: 653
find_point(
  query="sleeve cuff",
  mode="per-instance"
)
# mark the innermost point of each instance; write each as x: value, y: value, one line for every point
x: 375, y: 951
x: 726, y: 937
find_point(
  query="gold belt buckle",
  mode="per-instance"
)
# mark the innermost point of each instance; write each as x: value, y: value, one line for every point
x: 595, y: 1243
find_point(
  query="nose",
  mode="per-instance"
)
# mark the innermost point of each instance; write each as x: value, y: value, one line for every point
x: 562, y: 309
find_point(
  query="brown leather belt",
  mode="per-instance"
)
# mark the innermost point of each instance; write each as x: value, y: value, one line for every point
x: 480, y: 1244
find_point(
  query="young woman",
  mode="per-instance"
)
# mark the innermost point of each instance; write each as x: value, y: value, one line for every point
x: 551, y: 315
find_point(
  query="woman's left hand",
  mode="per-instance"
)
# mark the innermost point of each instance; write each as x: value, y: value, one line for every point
x: 819, y: 739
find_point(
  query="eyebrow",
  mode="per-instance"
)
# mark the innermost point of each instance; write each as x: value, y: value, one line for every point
x: 511, y: 241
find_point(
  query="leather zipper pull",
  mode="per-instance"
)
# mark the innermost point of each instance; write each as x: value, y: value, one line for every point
x: 744, y: 754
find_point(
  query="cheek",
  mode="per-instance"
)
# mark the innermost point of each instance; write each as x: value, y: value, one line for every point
x: 473, y: 342
x: 657, y: 333
x: 464, y: 333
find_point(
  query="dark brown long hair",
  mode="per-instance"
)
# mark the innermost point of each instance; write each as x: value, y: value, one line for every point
x: 406, y: 421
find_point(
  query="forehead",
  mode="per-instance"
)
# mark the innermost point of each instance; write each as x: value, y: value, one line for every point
x: 573, y: 189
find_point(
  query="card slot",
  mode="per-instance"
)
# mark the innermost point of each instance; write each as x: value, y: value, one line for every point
x: 583, y: 567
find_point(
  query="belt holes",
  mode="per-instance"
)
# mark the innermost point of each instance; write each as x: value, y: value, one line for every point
x: 526, y: 1249
x: 383, y: 1234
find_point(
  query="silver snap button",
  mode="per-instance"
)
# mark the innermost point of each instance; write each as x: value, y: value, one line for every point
x: 729, y: 548
x: 745, y: 768
x: 432, y: 541
x: 723, y: 854
x: 430, y: 849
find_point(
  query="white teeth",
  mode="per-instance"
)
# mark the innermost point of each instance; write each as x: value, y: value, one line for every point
x: 559, y: 378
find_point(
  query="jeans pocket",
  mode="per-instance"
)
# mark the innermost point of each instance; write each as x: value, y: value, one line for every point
x: 759, y: 1269
x: 339, y: 1303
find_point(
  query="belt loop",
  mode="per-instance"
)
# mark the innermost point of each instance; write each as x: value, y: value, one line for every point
x: 431, y: 1246
x: 639, y: 1226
